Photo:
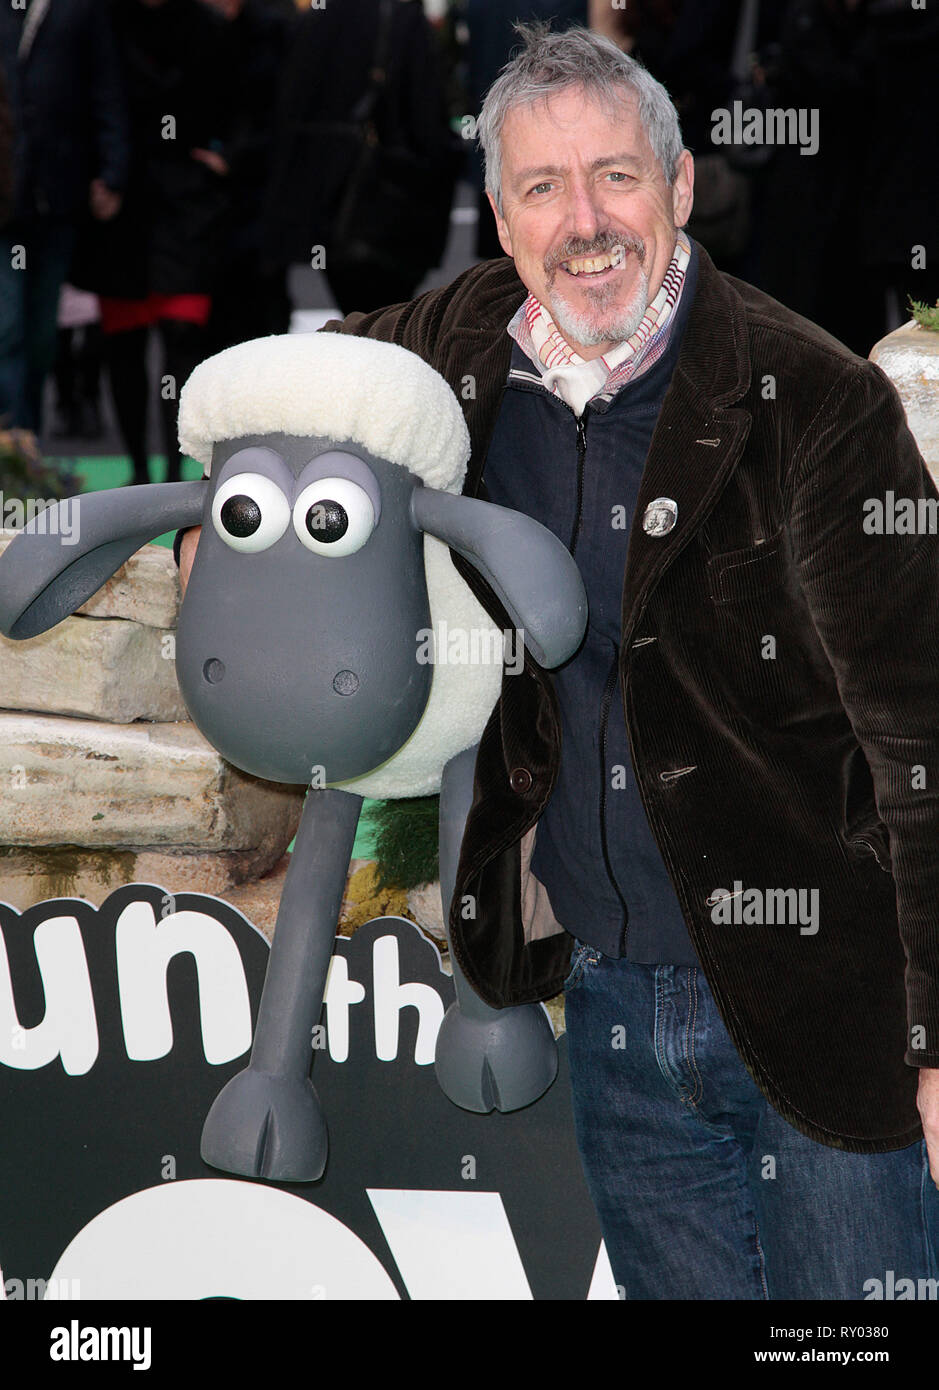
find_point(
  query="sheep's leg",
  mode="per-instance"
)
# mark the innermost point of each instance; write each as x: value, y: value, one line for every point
x: 267, y: 1122
x: 487, y: 1059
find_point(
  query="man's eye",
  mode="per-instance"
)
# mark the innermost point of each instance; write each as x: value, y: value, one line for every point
x: 539, y: 187
x: 618, y: 175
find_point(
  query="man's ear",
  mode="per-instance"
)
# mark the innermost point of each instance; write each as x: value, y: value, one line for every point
x: 57, y: 562
x: 502, y: 227
x: 683, y: 189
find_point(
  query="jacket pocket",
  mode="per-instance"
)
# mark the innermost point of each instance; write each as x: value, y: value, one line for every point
x: 864, y: 833
x: 742, y: 574
x: 872, y: 840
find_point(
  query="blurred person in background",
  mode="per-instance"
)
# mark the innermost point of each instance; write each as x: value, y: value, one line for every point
x: 364, y: 160
x: 155, y: 263
x: 70, y: 153
x: 250, y: 298
x: 77, y: 369
x: 841, y: 228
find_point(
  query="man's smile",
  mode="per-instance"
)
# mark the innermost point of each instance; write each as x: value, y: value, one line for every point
x: 598, y: 267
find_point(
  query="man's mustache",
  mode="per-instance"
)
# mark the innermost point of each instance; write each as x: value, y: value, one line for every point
x: 600, y: 245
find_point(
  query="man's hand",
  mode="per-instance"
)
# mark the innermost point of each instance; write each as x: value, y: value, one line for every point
x: 103, y: 201
x: 927, y: 1102
x: 187, y: 553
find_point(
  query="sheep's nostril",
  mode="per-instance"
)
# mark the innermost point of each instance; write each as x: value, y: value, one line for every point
x: 214, y: 670
x: 345, y: 682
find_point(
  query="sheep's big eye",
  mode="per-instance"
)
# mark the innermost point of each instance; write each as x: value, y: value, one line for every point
x: 333, y: 516
x: 250, y: 512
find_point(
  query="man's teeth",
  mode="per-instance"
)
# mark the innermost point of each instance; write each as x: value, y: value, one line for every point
x: 589, y: 265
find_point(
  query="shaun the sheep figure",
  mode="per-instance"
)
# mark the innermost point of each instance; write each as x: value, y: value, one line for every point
x: 335, y: 471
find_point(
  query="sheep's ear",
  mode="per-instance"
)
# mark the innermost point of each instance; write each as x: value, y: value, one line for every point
x: 70, y: 549
x: 529, y: 570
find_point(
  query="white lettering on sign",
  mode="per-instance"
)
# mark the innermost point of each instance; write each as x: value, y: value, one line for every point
x: 222, y: 1237
x: 144, y: 947
x: 340, y: 993
x: 455, y: 1245
x: 69, y: 1027
x: 390, y: 997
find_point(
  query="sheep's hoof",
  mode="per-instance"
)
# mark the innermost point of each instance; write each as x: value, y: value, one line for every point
x: 266, y: 1126
x: 500, y: 1063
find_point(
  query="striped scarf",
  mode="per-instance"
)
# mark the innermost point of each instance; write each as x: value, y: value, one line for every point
x: 577, y: 381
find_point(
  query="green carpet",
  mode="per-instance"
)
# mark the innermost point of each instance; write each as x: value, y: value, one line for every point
x: 99, y: 474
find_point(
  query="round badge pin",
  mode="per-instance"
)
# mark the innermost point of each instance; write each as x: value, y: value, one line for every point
x: 660, y: 516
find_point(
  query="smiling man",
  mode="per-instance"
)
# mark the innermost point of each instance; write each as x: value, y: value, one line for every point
x: 748, y: 726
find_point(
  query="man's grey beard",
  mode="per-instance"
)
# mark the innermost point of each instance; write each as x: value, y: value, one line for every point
x: 591, y: 328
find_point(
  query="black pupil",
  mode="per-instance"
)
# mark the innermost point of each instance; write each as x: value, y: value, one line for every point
x: 327, y: 520
x: 241, y: 515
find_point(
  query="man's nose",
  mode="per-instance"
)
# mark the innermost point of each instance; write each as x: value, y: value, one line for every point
x: 584, y: 213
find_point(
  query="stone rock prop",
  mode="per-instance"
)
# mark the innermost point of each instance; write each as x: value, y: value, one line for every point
x: 910, y: 357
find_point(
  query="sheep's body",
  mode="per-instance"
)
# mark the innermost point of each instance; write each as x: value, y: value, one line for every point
x: 462, y: 693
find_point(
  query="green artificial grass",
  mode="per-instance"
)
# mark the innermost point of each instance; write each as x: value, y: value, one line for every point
x: 926, y: 315
x: 406, y: 833
x: 99, y: 474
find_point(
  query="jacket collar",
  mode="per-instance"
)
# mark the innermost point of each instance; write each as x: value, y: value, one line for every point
x: 713, y: 366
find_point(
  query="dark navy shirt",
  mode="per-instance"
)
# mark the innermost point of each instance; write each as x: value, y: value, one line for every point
x: 594, y: 849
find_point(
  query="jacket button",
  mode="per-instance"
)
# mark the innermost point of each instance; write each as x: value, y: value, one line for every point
x: 520, y: 779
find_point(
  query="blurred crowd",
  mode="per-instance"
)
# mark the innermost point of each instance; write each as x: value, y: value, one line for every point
x: 164, y: 162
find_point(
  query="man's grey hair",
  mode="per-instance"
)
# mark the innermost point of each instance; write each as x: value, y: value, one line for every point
x: 575, y: 58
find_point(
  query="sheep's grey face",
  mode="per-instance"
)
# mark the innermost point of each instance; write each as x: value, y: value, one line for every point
x: 297, y: 646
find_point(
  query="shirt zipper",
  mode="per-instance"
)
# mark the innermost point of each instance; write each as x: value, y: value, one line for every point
x: 581, y: 455
x: 606, y: 699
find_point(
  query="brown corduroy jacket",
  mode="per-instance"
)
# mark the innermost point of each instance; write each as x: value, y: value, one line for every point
x: 780, y: 673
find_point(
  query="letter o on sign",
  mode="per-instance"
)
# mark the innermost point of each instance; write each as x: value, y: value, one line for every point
x: 220, y: 1238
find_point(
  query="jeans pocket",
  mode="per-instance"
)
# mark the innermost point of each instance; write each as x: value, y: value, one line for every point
x: 581, y: 957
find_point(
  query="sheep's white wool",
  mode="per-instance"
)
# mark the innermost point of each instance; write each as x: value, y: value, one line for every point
x: 462, y: 695
x: 334, y: 385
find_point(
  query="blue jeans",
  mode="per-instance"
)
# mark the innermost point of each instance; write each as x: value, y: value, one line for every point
x: 703, y: 1191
